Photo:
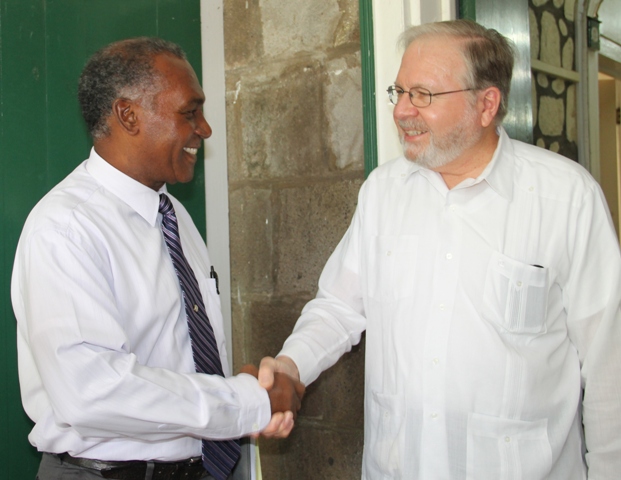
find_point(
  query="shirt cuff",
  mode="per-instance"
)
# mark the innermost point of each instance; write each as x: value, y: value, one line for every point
x: 255, y: 409
x: 304, y: 358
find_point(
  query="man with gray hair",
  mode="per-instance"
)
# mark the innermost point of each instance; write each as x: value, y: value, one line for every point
x: 487, y: 275
x: 122, y: 359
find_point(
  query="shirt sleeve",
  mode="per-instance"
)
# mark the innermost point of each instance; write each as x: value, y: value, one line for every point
x: 81, y: 358
x: 592, y: 298
x: 333, y: 322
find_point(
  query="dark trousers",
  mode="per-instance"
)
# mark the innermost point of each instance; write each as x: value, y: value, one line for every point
x: 53, y: 468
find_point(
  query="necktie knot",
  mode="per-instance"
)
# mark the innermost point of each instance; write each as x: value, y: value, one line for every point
x: 166, y: 206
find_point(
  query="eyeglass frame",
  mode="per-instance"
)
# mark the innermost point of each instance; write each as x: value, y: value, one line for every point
x: 429, y: 94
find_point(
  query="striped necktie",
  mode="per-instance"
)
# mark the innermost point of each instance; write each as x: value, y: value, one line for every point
x: 219, y: 456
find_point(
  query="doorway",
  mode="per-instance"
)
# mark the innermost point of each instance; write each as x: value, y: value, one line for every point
x: 609, y: 81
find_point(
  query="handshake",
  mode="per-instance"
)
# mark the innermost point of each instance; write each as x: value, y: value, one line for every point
x: 280, y: 377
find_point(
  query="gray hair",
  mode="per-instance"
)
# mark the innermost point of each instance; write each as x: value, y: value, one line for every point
x: 123, y: 69
x: 489, y: 56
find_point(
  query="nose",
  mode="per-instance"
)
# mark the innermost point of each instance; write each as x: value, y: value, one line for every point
x: 404, y: 108
x: 203, y: 129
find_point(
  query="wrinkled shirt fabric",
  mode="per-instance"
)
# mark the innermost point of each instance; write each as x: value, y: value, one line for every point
x: 104, y: 354
x: 489, y: 310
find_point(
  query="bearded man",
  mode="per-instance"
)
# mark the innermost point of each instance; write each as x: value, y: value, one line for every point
x: 487, y: 275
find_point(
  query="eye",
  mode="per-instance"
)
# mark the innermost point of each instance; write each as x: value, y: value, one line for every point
x: 190, y: 114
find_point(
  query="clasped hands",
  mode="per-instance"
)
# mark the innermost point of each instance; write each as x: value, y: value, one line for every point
x: 280, y: 377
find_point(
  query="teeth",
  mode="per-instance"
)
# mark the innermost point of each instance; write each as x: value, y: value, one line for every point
x: 191, y: 151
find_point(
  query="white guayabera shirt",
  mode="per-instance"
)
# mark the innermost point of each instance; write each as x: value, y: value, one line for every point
x: 488, y: 309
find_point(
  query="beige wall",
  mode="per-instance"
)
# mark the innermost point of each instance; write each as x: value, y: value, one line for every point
x: 294, y: 137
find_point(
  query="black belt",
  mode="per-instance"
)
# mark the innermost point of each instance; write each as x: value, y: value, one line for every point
x: 190, y: 469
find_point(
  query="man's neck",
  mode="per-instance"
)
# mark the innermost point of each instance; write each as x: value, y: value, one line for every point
x: 472, y: 162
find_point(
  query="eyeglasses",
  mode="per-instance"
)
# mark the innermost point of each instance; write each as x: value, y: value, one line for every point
x: 420, y: 97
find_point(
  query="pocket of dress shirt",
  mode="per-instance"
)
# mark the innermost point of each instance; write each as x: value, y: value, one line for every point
x: 516, y: 295
x: 210, y: 292
x: 212, y: 305
x: 500, y: 448
x: 392, y: 265
x: 386, y: 421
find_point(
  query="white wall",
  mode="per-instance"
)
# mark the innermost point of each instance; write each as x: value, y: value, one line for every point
x: 390, y: 18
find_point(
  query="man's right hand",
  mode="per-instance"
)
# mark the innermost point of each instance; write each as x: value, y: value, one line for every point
x: 285, y: 393
x: 270, y: 369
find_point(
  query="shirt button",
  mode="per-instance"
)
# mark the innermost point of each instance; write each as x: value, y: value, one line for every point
x: 441, y: 306
x: 388, y: 253
x: 519, y: 284
x: 449, y: 256
x: 436, y: 361
x: 434, y: 415
x: 507, y: 439
x: 196, y: 308
x: 453, y: 208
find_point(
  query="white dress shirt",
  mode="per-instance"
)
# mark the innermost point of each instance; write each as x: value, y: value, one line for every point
x: 105, y: 361
x: 488, y: 310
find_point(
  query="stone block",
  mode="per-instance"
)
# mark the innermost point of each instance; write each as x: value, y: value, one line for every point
x: 558, y: 85
x: 534, y: 34
x: 281, y: 123
x: 269, y: 321
x: 337, y: 396
x: 311, y: 221
x: 563, y: 27
x: 569, y: 10
x: 551, y: 115
x: 543, y: 80
x: 348, y: 28
x: 251, y: 232
x: 238, y: 326
x: 568, y: 54
x: 343, y: 106
x: 242, y: 44
x: 550, y: 40
x: 298, y: 25
x: 313, y: 453
x: 571, y: 120
x: 533, y: 94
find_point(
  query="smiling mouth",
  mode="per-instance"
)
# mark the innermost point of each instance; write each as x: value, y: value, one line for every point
x: 191, y: 151
x: 412, y: 133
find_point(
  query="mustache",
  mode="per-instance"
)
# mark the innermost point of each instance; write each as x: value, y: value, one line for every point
x: 413, y: 125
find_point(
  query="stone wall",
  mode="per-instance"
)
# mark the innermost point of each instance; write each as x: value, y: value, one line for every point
x: 294, y: 133
x: 554, y: 99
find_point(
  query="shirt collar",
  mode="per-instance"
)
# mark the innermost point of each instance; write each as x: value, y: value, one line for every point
x: 144, y: 200
x: 498, y: 173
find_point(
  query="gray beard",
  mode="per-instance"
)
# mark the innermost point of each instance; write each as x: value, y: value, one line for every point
x: 443, y: 150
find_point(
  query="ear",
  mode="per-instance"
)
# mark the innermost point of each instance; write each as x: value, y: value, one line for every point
x: 125, y: 113
x: 491, y: 103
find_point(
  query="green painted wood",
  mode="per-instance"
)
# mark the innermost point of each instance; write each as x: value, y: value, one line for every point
x: 467, y: 9
x: 368, y: 85
x: 23, y: 176
x: 43, y: 47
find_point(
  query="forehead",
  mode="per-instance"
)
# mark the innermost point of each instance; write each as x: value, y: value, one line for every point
x: 432, y: 62
x: 179, y: 82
